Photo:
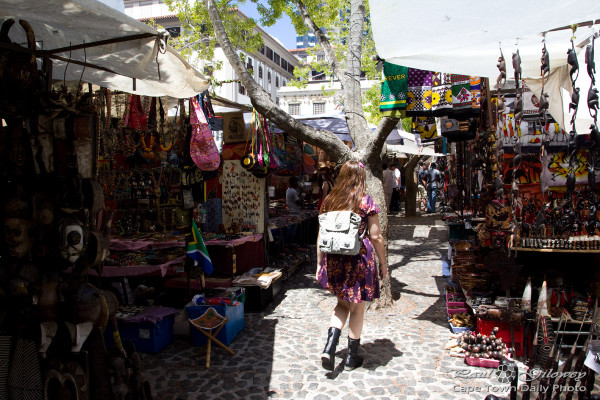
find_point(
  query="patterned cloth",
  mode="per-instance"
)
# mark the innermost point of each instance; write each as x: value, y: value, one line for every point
x: 461, y: 91
x: 353, y: 278
x: 393, y: 89
x: 441, y: 86
x: 419, y: 90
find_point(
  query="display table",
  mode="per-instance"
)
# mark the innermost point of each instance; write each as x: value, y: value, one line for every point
x: 238, y: 255
x: 168, y: 268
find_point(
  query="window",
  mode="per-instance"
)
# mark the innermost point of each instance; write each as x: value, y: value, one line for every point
x: 249, y: 64
x: 269, y: 76
x: 283, y: 82
x: 260, y: 71
x: 174, y: 31
x: 269, y: 53
x: 320, y: 57
x: 290, y: 68
x: 317, y: 75
x: 294, y: 108
x: 284, y: 64
x: 319, y: 108
x: 277, y: 82
x: 262, y: 50
x: 276, y: 58
x: 241, y: 89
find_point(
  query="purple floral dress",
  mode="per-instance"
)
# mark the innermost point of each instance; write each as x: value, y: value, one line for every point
x: 353, y: 278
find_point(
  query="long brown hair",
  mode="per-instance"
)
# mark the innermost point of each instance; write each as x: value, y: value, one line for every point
x: 349, y: 189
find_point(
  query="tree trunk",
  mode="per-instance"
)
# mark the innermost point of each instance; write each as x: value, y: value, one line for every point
x: 368, y: 144
x: 411, y: 186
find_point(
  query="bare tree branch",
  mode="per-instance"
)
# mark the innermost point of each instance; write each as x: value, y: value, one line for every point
x: 373, y: 148
x: 323, y: 40
x: 323, y: 139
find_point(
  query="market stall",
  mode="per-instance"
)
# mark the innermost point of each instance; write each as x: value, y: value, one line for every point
x: 89, y: 201
x: 520, y: 180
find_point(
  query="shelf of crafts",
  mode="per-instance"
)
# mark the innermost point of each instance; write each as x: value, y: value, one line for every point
x: 140, y: 245
x: 531, y: 249
x: 168, y: 268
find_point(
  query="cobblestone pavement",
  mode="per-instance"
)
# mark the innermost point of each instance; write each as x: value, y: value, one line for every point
x: 278, y: 352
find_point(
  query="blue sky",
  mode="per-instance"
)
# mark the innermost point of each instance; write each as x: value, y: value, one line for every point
x: 282, y: 30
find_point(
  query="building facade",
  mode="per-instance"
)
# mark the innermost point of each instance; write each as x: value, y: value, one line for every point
x: 316, y: 98
x: 272, y: 66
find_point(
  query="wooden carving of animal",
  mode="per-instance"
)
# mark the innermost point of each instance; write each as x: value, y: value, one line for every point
x: 501, y: 80
x: 589, y: 61
x: 516, y: 61
x: 545, y: 60
x: 592, y: 101
x: 572, y: 61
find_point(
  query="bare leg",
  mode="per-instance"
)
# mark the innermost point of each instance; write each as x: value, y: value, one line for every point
x: 340, y: 314
x: 357, y: 317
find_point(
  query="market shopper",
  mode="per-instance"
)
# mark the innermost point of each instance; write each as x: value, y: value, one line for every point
x: 353, y: 279
x: 325, y: 185
x: 421, y: 184
x: 434, y: 178
x: 395, y: 200
x: 293, y: 201
x: 388, y: 185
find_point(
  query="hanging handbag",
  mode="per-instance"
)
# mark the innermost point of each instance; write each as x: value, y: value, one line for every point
x: 338, y: 233
x: 215, y: 123
x: 203, y: 149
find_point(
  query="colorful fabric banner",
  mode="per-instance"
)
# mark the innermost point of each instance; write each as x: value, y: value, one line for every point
x: 475, y: 92
x: 197, y: 251
x: 461, y: 91
x: 441, y: 86
x: 419, y: 90
x: 393, y: 89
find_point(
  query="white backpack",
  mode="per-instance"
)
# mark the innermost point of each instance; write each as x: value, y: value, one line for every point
x: 338, y: 233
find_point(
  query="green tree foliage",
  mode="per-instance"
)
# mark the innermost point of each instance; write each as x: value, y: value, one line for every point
x: 331, y: 16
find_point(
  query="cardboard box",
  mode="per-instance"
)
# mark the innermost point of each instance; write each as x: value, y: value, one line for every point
x: 234, y: 325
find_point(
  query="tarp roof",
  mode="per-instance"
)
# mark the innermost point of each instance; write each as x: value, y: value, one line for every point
x: 58, y: 24
x: 466, y: 38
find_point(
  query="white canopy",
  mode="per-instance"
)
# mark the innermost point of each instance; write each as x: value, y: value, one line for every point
x: 411, y: 145
x: 59, y: 24
x: 466, y: 37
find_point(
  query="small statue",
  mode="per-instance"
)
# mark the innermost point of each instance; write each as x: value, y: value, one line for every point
x: 572, y: 61
x: 594, y: 135
x: 516, y: 61
x: 501, y: 80
x: 574, y: 104
x: 543, y: 105
x: 592, y: 101
x: 571, y: 180
x: 591, y: 176
x: 518, y: 108
x: 502, y: 106
x: 589, y: 60
x: 545, y: 68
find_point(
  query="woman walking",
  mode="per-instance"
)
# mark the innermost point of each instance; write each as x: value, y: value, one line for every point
x: 353, y: 279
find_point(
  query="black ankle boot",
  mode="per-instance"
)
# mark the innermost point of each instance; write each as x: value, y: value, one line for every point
x: 353, y: 360
x: 328, y: 355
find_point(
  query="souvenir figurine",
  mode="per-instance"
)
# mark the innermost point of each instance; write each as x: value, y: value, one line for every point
x: 501, y: 81
x: 574, y: 104
x: 589, y: 60
x: 516, y: 61
x: 572, y: 61
x: 545, y: 68
x: 592, y: 101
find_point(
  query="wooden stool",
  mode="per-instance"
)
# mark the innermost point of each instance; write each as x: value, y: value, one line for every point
x: 208, y: 322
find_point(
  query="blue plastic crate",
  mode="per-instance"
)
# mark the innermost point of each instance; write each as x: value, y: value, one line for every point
x: 233, y: 327
x: 147, y: 337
